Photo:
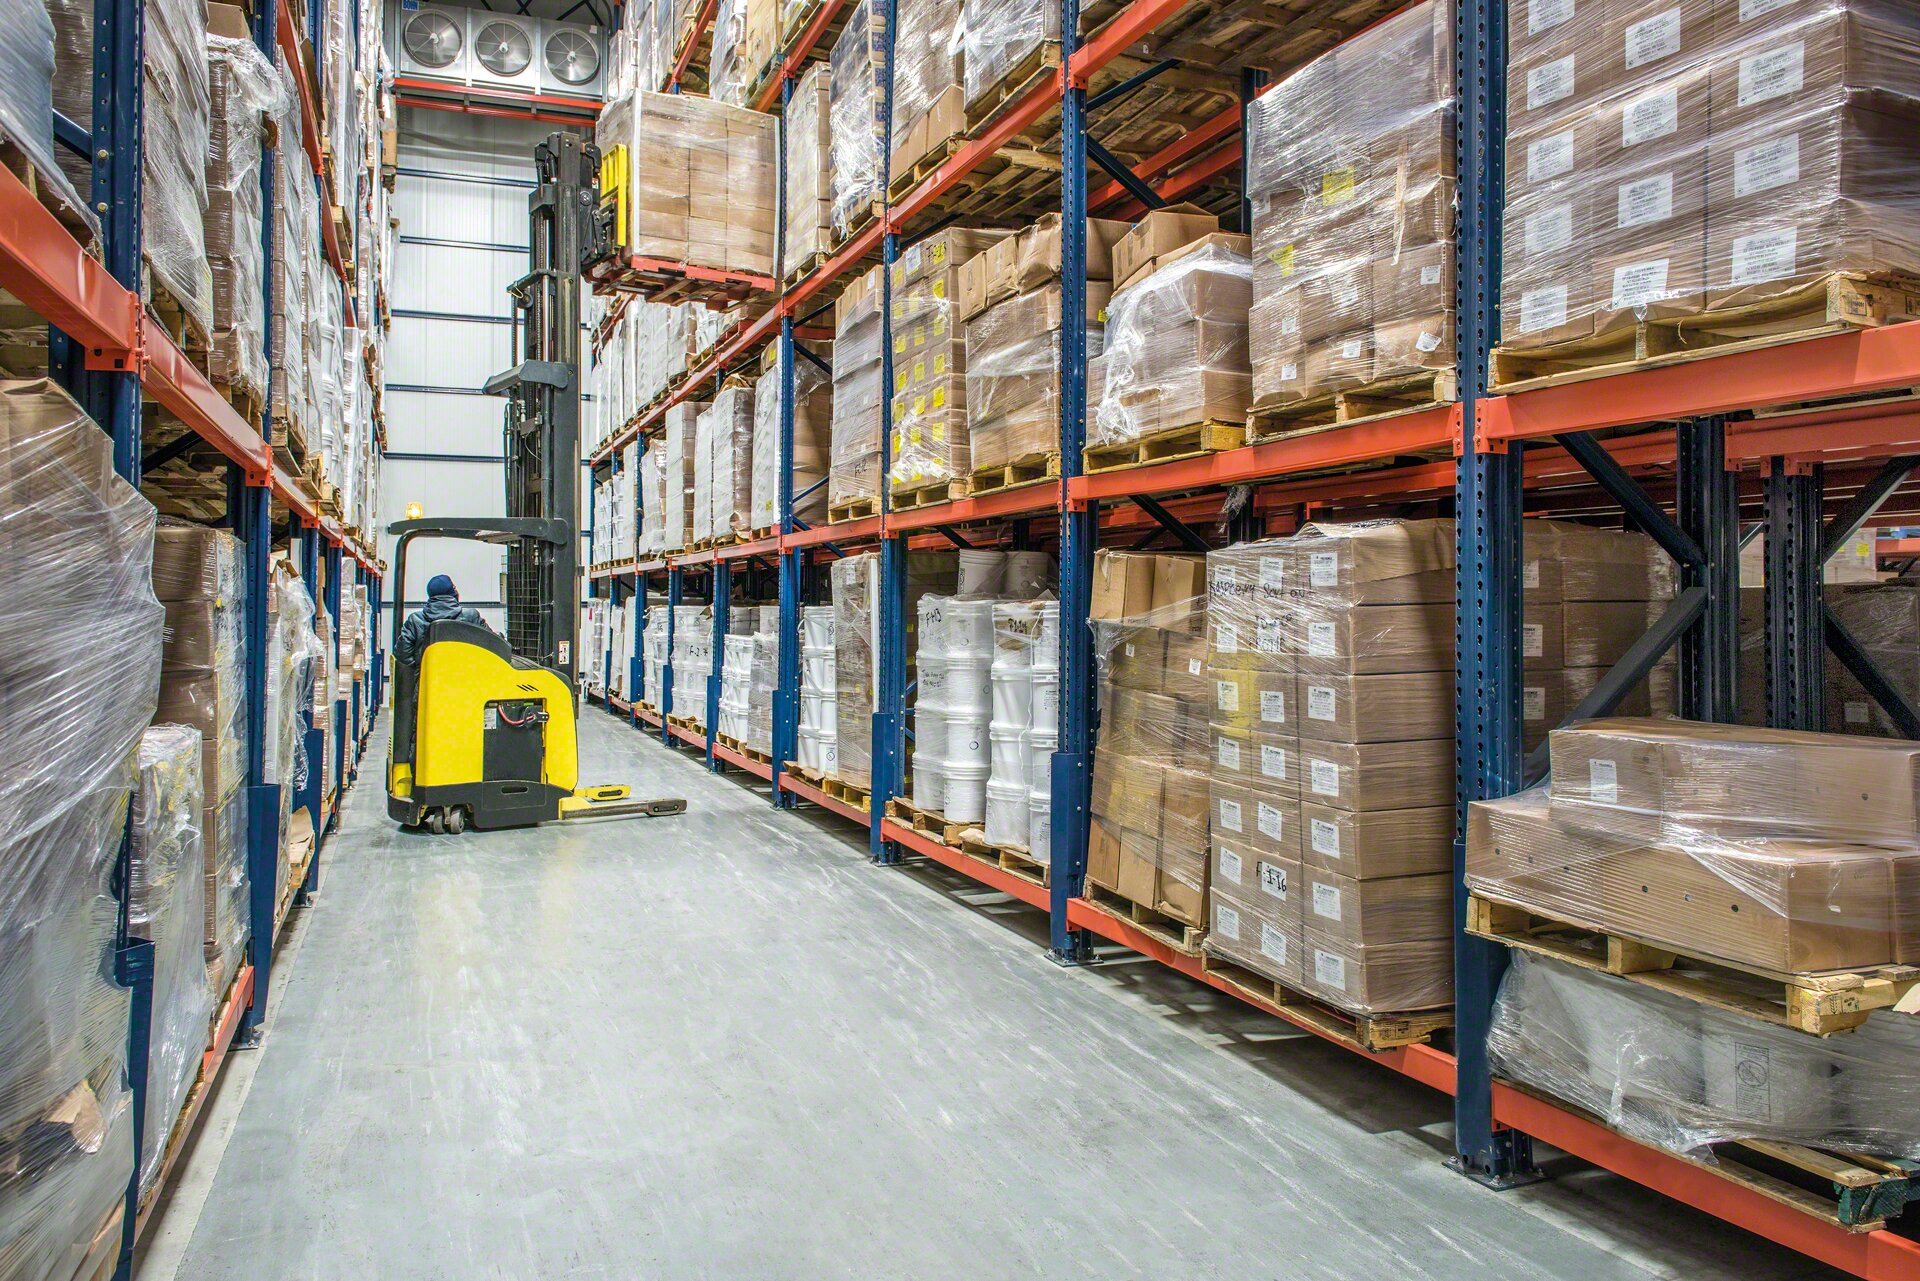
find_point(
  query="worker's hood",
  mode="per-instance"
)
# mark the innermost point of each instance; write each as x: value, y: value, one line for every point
x: 439, y: 609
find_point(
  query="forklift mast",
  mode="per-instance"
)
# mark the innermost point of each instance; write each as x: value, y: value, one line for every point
x: 542, y: 445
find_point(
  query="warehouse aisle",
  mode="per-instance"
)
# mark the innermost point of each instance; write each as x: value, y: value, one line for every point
x: 725, y: 1046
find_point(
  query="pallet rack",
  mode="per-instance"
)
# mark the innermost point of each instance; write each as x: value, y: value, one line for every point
x: 1631, y: 443
x: 111, y: 354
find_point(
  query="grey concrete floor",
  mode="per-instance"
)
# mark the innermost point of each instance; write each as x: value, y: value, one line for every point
x: 726, y: 1046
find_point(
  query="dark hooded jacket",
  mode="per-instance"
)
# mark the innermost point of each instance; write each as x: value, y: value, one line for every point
x: 444, y: 608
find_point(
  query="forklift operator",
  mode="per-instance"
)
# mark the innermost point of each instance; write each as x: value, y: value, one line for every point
x: 443, y: 606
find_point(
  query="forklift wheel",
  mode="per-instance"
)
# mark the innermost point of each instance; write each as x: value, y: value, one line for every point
x: 457, y: 819
x: 436, y: 822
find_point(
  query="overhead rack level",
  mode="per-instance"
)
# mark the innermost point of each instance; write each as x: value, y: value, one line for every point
x: 80, y: 272
x: 1812, y: 438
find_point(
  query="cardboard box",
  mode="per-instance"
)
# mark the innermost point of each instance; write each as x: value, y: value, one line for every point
x: 1599, y: 633
x: 1135, y: 657
x: 1543, y: 639
x: 1269, y: 763
x: 1388, y: 707
x: 1397, y: 909
x: 1029, y: 259
x: 1161, y: 231
x: 1184, y: 675
x: 1780, y: 905
x: 1122, y: 585
x: 1377, y: 776
x: 1543, y: 706
x: 1380, y: 843
x: 1379, y: 977
x: 1244, y: 933
x: 1264, y: 824
x: 1180, y: 593
x: 1368, y: 639
x: 1387, y: 562
x: 1249, y: 701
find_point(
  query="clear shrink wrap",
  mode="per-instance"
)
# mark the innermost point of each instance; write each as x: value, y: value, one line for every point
x: 731, y: 439
x: 854, y: 103
x: 857, y: 390
x: 745, y: 40
x: 293, y: 654
x: 244, y: 94
x: 1176, y: 345
x: 1005, y: 38
x: 680, y: 454
x: 1665, y: 162
x: 1770, y: 850
x: 653, y: 499
x: 166, y: 903
x: 26, y: 101
x: 808, y: 208
x: 296, y: 237
x: 929, y: 107
x: 173, y: 135
x: 1884, y: 620
x: 1013, y: 375
x: 1351, y: 178
x: 1150, y: 777
x: 812, y: 413
x: 930, y: 359
x: 1683, y: 1075
x: 81, y: 635
x: 702, y: 179
x: 856, y: 590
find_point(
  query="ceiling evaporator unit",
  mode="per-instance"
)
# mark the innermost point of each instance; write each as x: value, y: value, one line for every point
x: 481, y: 49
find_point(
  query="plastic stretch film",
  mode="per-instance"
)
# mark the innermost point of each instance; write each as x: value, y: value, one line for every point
x: 857, y: 391
x: 173, y: 160
x: 808, y: 207
x: 1176, y: 345
x: 930, y: 359
x: 82, y: 637
x: 27, y: 101
x: 1769, y: 850
x: 680, y: 454
x: 729, y: 427
x: 702, y: 179
x: 859, y: 68
x: 928, y: 82
x: 1005, y: 38
x: 1683, y: 1075
x: 812, y: 417
x: 1013, y: 375
x: 856, y: 593
x: 653, y: 501
x: 244, y: 94
x: 166, y: 904
x: 1351, y: 163
x: 293, y: 656
x: 1884, y: 619
x: 1665, y: 161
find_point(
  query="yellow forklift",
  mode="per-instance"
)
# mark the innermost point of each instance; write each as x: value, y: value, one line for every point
x: 484, y: 731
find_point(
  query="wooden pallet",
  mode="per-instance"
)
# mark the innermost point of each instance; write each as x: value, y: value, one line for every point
x: 1039, y: 64
x: 1835, y: 304
x: 1820, y: 1004
x: 1029, y: 469
x: 1182, y: 936
x: 665, y: 282
x: 248, y: 402
x: 942, y: 491
x: 929, y: 823
x: 853, y: 509
x: 69, y: 214
x: 1167, y: 446
x: 922, y: 169
x: 1012, y: 859
x: 1372, y: 1031
x: 861, y: 798
x: 806, y: 266
x: 861, y: 218
x: 805, y: 775
x: 1424, y: 390
x: 1227, y: 35
x: 188, y: 334
x: 740, y: 746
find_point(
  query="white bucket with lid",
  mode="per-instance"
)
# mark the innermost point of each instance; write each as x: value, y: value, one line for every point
x: 816, y: 626
x: 983, y: 571
x: 929, y: 784
x: 1040, y: 826
x: 829, y: 754
x: 808, y: 753
x: 1043, y: 700
x: 967, y: 741
x: 930, y: 678
x: 966, y: 688
x: 966, y: 793
x: 969, y: 630
x: 1039, y: 749
x: 1006, y: 817
x: 817, y: 667
x: 929, y: 734
x: 1012, y: 698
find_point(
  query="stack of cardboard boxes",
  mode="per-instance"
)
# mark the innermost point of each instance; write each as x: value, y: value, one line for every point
x: 1004, y: 41
x: 242, y: 87
x: 930, y: 359
x: 812, y: 419
x: 808, y: 205
x: 701, y: 180
x: 929, y: 106
x: 1668, y: 160
x: 745, y: 40
x: 196, y: 575
x: 1351, y: 164
x: 855, y: 102
x: 1176, y: 342
x: 856, y: 643
x: 1148, y: 843
x: 723, y: 464
x: 1010, y: 302
x: 1775, y: 850
x: 857, y: 392
x: 680, y: 452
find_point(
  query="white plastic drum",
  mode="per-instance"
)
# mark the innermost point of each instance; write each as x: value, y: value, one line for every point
x: 929, y: 784
x: 1006, y: 817
x: 1013, y: 698
x: 967, y: 742
x: 1043, y: 700
x: 1028, y: 574
x: 816, y: 626
x: 817, y: 669
x: 1007, y: 749
x: 983, y: 571
x: 1040, y: 825
x: 966, y: 793
x: 929, y: 735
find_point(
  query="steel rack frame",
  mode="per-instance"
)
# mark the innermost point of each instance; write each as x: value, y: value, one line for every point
x: 111, y: 355
x: 1615, y: 435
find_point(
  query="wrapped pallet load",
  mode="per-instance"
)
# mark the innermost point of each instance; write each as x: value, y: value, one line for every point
x: 701, y: 180
x: 197, y: 575
x: 680, y: 456
x: 929, y: 91
x: 855, y: 102
x: 245, y: 96
x: 930, y: 359
x: 81, y: 636
x: 853, y: 481
x: 1007, y: 41
x: 812, y: 420
x: 1351, y: 177
x: 745, y: 40
x: 296, y: 246
x: 808, y: 204
x: 27, y: 65
x: 166, y: 904
x: 173, y: 143
x: 1668, y: 163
